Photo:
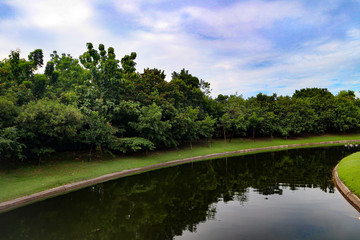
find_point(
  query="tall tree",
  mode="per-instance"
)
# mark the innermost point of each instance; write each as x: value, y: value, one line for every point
x: 233, y: 121
x: 46, y: 123
x: 322, y: 101
x: 151, y: 126
x: 346, y: 112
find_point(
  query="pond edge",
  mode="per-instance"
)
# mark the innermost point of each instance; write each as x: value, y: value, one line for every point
x: 28, y: 199
x: 351, y: 197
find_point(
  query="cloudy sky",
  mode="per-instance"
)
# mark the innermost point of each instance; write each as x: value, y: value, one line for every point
x: 247, y: 47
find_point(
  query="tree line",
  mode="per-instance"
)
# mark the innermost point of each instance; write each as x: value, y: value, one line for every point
x: 99, y: 103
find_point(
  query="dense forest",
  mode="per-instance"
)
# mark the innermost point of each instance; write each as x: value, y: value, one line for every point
x: 99, y: 103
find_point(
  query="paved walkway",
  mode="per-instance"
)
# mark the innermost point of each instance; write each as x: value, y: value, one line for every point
x: 18, y: 202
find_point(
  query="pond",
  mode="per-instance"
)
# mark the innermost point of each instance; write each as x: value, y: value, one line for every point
x: 275, y: 195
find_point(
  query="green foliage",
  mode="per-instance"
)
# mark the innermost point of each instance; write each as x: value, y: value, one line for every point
x: 151, y: 126
x: 233, y: 121
x: 47, y: 123
x: 323, y: 103
x: 346, y: 95
x: 295, y: 116
x: 207, y: 127
x: 346, y: 113
x: 104, y: 68
x: 186, y: 125
x: 269, y: 125
x: 50, y: 119
x: 20, y: 70
x: 37, y: 58
x: 42, y: 151
x: 99, y: 101
x: 11, y: 148
x: 39, y: 87
x: 96, y: 130
x: 254, y: 121
x: 8, y: 112
x: 128, y: 63
x: 64, y: 72
x: 133, y: 144
x: 260, y: 114
x: 189, y: 89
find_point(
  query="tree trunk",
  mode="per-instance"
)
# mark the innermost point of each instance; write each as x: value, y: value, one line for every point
x: 224, y: 130
x: 89, y: 155
x: 100, y: 149
x: 253, y: 133
x: 191, y: 145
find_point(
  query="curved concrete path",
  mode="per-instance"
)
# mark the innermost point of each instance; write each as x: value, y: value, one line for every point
x: 353, y: 199
x: 18, y: 202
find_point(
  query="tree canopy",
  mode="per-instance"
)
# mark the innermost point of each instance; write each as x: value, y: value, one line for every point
x: 99, y: 102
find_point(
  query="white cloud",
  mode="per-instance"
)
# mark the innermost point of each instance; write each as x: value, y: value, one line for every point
x: 353, y: 33
x: 317, y: 65
x: 52, y: 14
x: 256, y: 14
x: 173, y: 40
x: 129, y: 6
x: 62, y: 25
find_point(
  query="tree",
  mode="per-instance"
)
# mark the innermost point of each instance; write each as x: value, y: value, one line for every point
x: 19, y: 69
x: 39, y: 85
x: 265, y: 109
x: 206, y: 128
x: 151, y: 126
x: 254, y: 114
x: 191, y: 90
x: 8, y: 112
x: 269, y: 125
x: 128, y: 64
x: 133, y: 144
x: 46, y: 123
x: 64, y: 72
x: 346, y: 112
x: 36, y: 58
x: 255, y: 120
x: 322, y: 102
x: 295, y: 116
x: 11, y: 148
x: 97, y: 132
x: 186, y: 125
x: 233, y: 120
x: 346, y: 95
x: 15, y: 70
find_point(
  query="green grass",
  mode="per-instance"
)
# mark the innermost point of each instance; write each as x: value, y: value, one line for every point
x: 349, y: 172
x: 66, y: 168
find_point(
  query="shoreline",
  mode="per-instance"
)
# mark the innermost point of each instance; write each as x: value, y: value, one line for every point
x: 32, y: 198
x: 351, y: 197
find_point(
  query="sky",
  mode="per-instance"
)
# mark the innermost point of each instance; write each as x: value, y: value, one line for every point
x: 239, y: 47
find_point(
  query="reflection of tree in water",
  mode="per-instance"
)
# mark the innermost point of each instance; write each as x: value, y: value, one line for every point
x: 163, y: 203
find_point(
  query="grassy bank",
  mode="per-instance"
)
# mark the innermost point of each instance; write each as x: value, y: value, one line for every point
x: 349, y: 172
x: 70, y: 167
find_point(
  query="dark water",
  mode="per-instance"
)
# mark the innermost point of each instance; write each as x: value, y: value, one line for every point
x: 278, y: 195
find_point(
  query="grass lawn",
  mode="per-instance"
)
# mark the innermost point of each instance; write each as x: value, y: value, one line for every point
x: 349, y: 172
x: 60, y: 169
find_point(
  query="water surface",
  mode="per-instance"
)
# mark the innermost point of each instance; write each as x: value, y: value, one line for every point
x: 276, y: 195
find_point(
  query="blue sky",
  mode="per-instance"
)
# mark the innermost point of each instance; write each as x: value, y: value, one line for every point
x: 243, y: 47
